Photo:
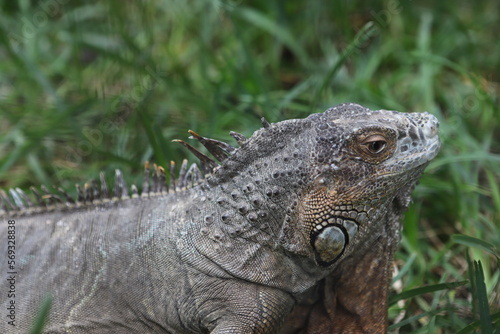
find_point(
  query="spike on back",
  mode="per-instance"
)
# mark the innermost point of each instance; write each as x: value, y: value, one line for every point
x: 163, y: 180
x: 182, y: 174
x: 135, y: 192
x: 87, y: 190
x: 67, y: 197
x: 145, y: 180
x: 154, y: 188
x: 120, y: 190
x: 17, y: 199
x: 104, y: 187
x: 265, y: 123
x: 218, y: 149
x: 52, y: 199
x: 80, y: 194
x: 207, y: 164
x: 172, y: 176
x: 38, y: 197
x: 194, y: 174
x: 25, y: 198
x: 9, y: 206
x: 154, y: 183
x: 240, y: 139
x: 159, y: 181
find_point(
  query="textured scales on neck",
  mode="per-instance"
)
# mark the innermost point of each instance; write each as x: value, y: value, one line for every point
x: 292, y: 232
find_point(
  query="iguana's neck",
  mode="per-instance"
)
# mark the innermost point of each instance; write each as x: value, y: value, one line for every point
x: 260, y: 197
x: 238, y: 228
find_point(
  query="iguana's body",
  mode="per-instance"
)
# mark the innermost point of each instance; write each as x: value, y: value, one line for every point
x: 238, y: 252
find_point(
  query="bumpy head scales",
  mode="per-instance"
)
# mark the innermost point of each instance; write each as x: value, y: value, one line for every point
x: 364, y: 159
x: 329, y: 179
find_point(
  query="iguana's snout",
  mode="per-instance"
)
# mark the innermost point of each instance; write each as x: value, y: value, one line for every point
x: 423, y: 132
x: 418, y: 142
x: 430, y: 124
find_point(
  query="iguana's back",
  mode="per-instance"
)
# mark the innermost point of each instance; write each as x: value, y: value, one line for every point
x: 102, y: 265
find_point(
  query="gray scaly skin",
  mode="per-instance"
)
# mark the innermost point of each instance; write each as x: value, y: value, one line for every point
x: 295, y: 232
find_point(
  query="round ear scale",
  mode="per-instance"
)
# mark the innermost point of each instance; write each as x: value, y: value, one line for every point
x: 329, y: 243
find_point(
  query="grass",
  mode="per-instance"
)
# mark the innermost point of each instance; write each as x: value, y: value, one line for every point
x: 90, y: 86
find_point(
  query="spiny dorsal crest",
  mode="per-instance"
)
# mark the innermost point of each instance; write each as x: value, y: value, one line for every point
x: 154, y: 183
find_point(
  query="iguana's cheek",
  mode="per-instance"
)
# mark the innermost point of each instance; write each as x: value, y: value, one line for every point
x: 330, y: 226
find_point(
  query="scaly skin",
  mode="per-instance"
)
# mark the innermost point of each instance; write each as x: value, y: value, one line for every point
x: 294, y: 233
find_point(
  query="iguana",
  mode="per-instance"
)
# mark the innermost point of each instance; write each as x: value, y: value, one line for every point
x: 294, y: 232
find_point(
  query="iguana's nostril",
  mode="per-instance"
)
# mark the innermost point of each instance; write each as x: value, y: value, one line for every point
x: 432, y: 126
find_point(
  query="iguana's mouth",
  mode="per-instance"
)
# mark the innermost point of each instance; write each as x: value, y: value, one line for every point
x: 330, y: 237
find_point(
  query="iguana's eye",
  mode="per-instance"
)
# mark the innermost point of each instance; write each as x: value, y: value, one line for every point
x: 375, y: 144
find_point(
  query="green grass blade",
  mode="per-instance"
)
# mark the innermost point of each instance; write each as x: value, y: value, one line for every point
x: 495, y: 317
x: 155, y: 138
x: 42, y: 315
x: 425, y: 289
x: 413, y: 319
x: 295, y: 92
x: 467, y: 157
x: 472, y: 279
x: 365, y: 33
x: 482, y: 299
x: 495, y: 189
x: 260, y: 20
x: 474, y: 242
x: 406, y: 267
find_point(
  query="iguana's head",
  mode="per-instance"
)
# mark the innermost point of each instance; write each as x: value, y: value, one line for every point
x: 363, y: 161
x: 321, y: 184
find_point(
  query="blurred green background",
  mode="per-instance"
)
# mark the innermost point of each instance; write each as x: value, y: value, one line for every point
x: 89, y: 86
